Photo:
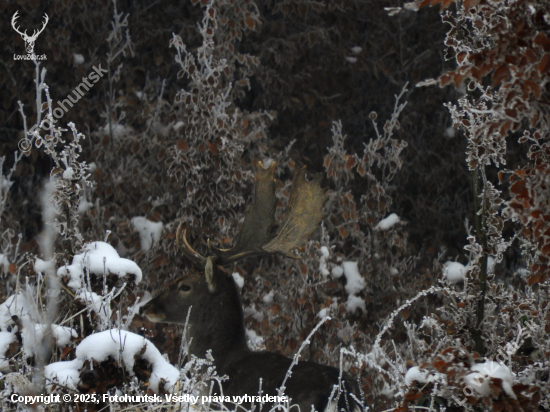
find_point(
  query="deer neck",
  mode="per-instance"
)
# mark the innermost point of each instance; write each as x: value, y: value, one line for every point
x: 218, y: 325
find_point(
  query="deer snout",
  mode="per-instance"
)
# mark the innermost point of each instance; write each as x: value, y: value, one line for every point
x: 152, y: 313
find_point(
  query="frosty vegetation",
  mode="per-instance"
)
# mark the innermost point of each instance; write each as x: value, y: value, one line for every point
x: 428, y: 279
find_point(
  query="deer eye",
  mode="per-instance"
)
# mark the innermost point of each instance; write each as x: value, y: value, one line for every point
x: 184, y: 288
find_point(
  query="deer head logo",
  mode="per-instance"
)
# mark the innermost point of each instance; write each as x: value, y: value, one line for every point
x: 29, y: 40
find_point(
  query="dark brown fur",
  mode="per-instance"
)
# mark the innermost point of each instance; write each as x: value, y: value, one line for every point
x: 216, y: 323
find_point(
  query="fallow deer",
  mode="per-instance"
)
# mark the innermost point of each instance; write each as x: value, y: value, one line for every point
x: 216, y: 316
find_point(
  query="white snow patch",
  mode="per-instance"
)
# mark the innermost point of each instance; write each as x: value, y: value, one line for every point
x: 239, y: 280
x: 99, y: 258
x: 337, y: 272
x: 149, y: 232
x: 450, y: 132
x: 356, y: 49
x: 6, y: 339
x: 251, y: 311
x: 479, y: 379
x: 354, y: 303
x: 65, y: 373
x: 84, y: 205
x: 5, y: 263
x: 34, y: 336
x: 96, y: 303
x: 78, y: 58
x: 177, y: 126
x: 351, y: 59
x: 323, y: 261
x: 454, y: 272
x: 122, y: 346
x: 255, y: 342
x: 269, y: 297
x: 323, y: 313
x: 68, y: 173
x: 388, y: 222
x: 42, y: 266
x: 354, y: 281
x: 15, y: 305
x: 423, y: 376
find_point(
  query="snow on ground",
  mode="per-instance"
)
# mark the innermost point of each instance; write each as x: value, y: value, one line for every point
x: 480, y: 380
x: 388, y: 222
x: 149, y: 232
x: 118, y: 344
x: 99, y: 258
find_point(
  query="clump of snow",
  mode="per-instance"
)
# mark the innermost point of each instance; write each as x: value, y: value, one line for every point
x: 96, y: 303
x: 239, y: 280
x: 254, y: 341
x: 337, y: 272
x: 354, y: 303
x: 269, y: 297
x: 149, y: 232
x: 84, y: 205
x: 354, y: 281
x: 43, y: 266
x: 118, y: 130
x: 480, y: 380
x: 15, y: 305
x: 454, y: 272
x: 252, y: 311
x: 423, y: 376
x: 351, y: 59
x: 78, y: 58
x: 388, y: 222
x: 65, y: 373
x: 6, y: 339
x: 68, y: 173
x: 98, y: 258
x: 5, y: 263
x: 33, y: 336
x: 323, y: 261
x: 122, y: 346
x: 356, y: 49
x: 323, y: 313
x: 354, y: 284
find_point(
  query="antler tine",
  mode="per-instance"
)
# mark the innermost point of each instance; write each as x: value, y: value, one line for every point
x: 258, y: 219
x: 36, y: 32
x: 196, y: 258
x: 13, y: 22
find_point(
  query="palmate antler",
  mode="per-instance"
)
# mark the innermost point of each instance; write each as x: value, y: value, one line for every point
x: 303, y: 217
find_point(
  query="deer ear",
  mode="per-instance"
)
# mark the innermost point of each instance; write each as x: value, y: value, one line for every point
x: 209, y: 272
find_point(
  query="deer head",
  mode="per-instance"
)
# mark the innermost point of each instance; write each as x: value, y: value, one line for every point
x: 29, y: 40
